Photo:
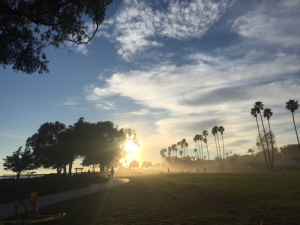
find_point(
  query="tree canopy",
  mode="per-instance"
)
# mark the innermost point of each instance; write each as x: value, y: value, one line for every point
x: 27, y: 27
x: 19, y: 161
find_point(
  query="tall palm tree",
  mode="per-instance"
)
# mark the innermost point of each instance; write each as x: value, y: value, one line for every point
x: 182, y: 146
x: 196, y: 152
x: 293, y: 105
x: 200, y: 138
x: 267, y: 114
x: 259, y: 107
x: 214, y: 130
x: 254, y: 113
x: 186, y: 145
x: 195, y: 140
x: 180, y: 152
x: 221, y: 129
x: 205, y: 141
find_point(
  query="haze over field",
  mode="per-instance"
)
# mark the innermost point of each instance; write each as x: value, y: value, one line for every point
x: 169, y: 70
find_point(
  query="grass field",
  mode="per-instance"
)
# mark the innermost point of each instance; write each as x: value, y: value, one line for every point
x: 212, y: 198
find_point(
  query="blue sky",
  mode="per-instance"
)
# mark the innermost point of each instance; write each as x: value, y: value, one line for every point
x: 169, y: 70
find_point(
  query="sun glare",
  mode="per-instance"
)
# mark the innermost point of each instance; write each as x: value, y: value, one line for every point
x: 131, y: 148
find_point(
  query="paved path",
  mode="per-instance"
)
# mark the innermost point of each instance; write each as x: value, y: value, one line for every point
x: 6, y: 210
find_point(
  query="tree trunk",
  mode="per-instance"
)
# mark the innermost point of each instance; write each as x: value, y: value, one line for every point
x: 266, y: 140
x: 65, y: 169
x: 296, y: 131
x: 267, y: 164
x: 70, y: 167
x: 272, y: 164
x: 217, y: 149
x: 102, y: 167
x: 223, y: 151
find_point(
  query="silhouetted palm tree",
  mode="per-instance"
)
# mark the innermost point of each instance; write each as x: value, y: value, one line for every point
x: 200, y: 138
x: 254, y: 112
x: 214, y: 130
x: 180, y: 152
x: 293, y: 105
x: 195, y: 140
x: 267, y: 114
x: 205, y: 141
x: 196, y: 152
x: 259, y: 106
x: 221, y: 129
x: 183, y: 146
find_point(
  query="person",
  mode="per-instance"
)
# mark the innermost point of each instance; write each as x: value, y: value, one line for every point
x: 112, y: 171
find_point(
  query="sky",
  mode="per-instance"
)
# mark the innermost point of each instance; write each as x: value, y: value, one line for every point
x: 169, y: 70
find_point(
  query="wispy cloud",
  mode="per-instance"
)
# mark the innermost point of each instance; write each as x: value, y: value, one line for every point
x: 138, y: 24
x: 68, y: 102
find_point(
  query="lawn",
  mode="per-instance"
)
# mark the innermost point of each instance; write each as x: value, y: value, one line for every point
x: 191, y: 198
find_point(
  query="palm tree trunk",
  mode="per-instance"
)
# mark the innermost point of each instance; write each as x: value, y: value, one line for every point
x: 220, y: 149
x: 267, y: 164
x: 272, y: 164
x: 207, y: 152
x: 217, y: 150
x: 296, y: 131
x: 266, y: 139
x: 202, y: 151
x: 223, y: 151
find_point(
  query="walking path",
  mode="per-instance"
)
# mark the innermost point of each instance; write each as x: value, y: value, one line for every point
x: 6, y: 210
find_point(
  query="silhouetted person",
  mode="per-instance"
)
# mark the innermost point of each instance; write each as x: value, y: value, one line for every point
x: 112, y: 171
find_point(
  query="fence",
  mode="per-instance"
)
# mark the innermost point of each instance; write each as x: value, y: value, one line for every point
x: 22, y: 176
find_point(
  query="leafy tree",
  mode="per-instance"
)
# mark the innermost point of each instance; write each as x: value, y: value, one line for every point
x: 45, y: 146
x: 289, y: 151
x: 27, y: 27
x: 19, y: 161
x: 134, y: 164
x: 293, y: 105
x: 146, y: 165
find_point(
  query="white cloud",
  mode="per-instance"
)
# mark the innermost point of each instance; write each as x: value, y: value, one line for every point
x: 137, y: 24
x: 276, y: 24
x: 107, y: 105
x: 142, y: 112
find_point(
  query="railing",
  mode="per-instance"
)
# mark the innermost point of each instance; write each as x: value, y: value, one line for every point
x: 22, y: 176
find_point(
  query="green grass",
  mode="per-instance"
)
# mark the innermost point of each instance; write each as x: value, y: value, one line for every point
x: 220, y: 198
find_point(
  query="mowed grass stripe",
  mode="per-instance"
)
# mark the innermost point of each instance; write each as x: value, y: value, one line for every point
x: 211, y: 198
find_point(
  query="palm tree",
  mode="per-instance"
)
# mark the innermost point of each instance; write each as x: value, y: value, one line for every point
x: 205, y: 133
x: 214, y: 130
x: 186, y: 145
x: 195, y: 140
x: 293, y: 105
x: 180, y: 152
x: 200, y: 138
x: 205, y: 141
x: 267, y: 114
x: 182, y: 145
x: 259, y: 106
x: 221, y: 129
x: 254, y: 112
x: 196, y: 152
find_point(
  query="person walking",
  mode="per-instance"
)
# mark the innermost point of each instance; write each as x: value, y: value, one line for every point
x: 112, y: 171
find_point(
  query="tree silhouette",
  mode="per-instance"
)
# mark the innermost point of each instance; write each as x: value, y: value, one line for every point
x: 214, y: 130
x: 221, y: 129
x: 267, y: 114
x: 205, y: 134
x: 254, y: 113
x: 19, y: 161
x: 293, y: 105
x: 259, y: 107
x: 27, y: 27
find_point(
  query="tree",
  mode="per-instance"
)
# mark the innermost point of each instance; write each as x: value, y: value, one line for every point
x: 19, y: 161
x: 134, y: 164
x: 290, y: 151
x: 146, y: 165
x: 293, y: 105
x: 205, y: 133
x: 259, y: 107
x: 27, y: 27
x: 267, y: 114
x: 221, y: 130
x: 45, y: 147
x: 254, y: 113
x: 214, y: 130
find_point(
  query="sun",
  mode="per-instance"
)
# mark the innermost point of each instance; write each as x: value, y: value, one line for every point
x: 131, y: 148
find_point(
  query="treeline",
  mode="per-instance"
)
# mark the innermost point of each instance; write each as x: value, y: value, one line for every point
x: 56, y: 146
